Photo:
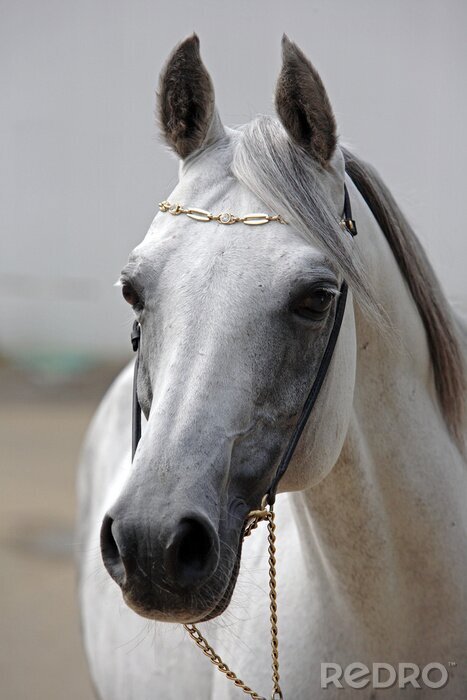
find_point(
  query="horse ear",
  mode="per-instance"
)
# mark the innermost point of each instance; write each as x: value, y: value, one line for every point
x: 303, y: 105
x: 187, y: 113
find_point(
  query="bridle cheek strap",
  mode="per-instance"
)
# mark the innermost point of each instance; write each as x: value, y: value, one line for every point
x: 135, y: 407
x: 312, y: 396
x: 348, y: 224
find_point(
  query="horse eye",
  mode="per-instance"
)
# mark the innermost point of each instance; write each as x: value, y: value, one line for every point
x: 130, y: 295
x: 315, y: 306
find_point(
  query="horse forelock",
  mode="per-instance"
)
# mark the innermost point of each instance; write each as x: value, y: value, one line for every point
x: 442, y: 335
x: 284, y: 176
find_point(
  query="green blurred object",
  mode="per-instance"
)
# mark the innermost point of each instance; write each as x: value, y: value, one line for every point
x: 55, y: 365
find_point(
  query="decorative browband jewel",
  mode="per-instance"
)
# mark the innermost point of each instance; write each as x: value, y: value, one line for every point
x: 225, y: 217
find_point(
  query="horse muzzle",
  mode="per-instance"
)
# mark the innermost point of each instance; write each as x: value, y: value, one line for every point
x: 169, y: 573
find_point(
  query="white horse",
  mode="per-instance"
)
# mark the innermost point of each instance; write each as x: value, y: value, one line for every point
x: 372, y: 519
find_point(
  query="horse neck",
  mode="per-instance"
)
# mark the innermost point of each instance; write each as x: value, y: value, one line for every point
x: 388, y: 514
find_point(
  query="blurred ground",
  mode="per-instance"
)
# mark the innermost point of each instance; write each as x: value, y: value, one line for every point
x: 43, y: 418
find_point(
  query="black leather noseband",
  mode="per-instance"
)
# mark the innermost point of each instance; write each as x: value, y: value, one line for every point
x: 349, y: 225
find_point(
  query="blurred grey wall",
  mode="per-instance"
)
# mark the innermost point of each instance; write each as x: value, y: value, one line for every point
x: 82, y: 169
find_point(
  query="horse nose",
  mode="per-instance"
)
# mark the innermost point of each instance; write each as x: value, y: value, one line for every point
x: 192, y: 552
x: 189, y: 552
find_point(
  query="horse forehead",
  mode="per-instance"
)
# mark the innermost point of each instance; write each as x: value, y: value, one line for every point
x: 182, y: 250
x: 178, y: 246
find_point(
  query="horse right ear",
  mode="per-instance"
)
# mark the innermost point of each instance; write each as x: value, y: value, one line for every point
x: 303, y: 105
x: 187, y: 113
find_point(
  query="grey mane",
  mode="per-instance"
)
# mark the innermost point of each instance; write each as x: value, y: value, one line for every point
x: 288, y: 181
x: 433, y: 307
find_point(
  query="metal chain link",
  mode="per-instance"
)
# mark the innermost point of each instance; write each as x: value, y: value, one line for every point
x: 255, y: 517
x: 226, y: 218
x: 257, y: 219
x: 205, y: 647
x: 276, y: 690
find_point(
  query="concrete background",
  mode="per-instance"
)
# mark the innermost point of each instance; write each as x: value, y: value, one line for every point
x: 81, y: 172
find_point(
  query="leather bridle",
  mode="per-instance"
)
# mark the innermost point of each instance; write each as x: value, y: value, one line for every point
x: 266, y: 512
x: 349, y: 225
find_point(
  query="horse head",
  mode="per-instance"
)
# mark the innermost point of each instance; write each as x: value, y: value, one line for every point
x: 234, y: 321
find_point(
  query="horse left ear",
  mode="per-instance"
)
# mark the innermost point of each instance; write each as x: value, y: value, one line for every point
x: 187, y: 112
x: 303, y: 105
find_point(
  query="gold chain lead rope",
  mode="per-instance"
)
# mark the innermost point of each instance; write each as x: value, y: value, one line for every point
x: 255, y: 517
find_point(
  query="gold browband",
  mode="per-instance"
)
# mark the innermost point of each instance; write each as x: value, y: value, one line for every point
x: 224, y: 218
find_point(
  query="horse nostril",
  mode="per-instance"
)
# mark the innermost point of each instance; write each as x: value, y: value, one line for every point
x: 195, y: 545
x: 110, y: 552
x: 192, y: 553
